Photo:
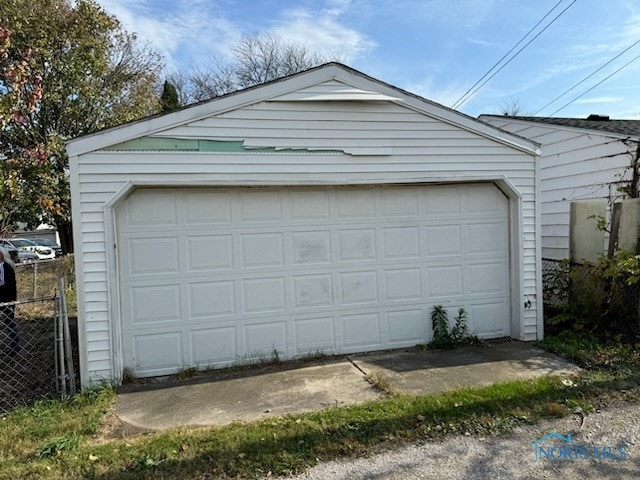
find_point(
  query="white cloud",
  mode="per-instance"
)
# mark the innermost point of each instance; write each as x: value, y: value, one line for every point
x: 323, y: 31
x: 595, y: 100
x: 189, y: 32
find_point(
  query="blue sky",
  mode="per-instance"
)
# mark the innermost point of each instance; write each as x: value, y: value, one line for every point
x: 434, y: 48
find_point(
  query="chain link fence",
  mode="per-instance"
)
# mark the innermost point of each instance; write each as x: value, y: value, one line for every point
x: 589, y: 297
x: 38, y: 352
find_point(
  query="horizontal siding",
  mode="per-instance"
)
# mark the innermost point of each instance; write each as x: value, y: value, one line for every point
x: 421, y: 147
x: 575, y: 166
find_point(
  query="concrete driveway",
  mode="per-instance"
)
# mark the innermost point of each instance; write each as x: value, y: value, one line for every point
x: 262, y: 391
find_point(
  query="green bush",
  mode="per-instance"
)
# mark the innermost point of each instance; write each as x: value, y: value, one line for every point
x: 602, y: 297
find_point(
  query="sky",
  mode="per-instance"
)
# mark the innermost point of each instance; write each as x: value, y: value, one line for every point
x: 434, y: 48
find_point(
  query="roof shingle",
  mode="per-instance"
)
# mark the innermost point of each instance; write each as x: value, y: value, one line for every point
x: 621, y: 127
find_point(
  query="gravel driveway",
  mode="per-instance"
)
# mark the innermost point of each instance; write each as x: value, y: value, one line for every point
x: 508, y: 456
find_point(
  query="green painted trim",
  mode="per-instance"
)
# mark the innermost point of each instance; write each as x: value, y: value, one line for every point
x: 177, y: 145
x: 156, y: 144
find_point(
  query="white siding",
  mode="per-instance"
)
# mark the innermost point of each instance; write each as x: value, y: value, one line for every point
x: 421, y: 149
x: 575, y: 165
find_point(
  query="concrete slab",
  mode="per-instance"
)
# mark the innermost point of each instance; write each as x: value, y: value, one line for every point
x: 422, y: 372
x: 262, y: 391
x: 252, y: 394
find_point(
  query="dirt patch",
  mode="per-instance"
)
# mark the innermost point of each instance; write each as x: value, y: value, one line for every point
x: 112, y: 428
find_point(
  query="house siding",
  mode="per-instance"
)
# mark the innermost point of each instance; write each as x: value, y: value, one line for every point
x: 400, y: 145
x: 576, y: 165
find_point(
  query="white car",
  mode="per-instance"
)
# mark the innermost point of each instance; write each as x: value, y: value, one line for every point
x: 44, y: 253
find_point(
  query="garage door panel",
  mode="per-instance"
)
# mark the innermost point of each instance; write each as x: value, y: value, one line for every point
x: 263, y: 295
x: 265, y: 338
x: 489, y: 319
x: 315, y: 335
x: 355, y: 203
x: 158, y: 353
x: 207, y: 207
x: 213, y: 346
x: 487, y: 238
x: 245, y: 271
x: 261, y: 206
x: 358, y: 287
x: 211, y: 299
x: 403, y: 284
x: 401, y: 242
x: 443, y: 240
x: 153, y: 255
x: 445, y: 282
x: 401, y: 204
x: 486, y: 201
x: 262, y: 249
x: 406, y: 326
x: 149, y: 208
x: 356, y: 244
x: 306, y: 205
x: 154, y: 304
x: 488, y: 278
x: 311, y: 247
x: 444, y: 201
x: 313, y: 291
x: 209, y: 252
x: 361, y: 331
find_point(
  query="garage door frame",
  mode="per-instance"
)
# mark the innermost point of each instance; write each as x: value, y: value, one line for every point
x: 515, y: 237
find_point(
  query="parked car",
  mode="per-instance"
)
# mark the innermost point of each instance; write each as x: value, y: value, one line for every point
x: 24, y: 244
x: 45, y: 242
x: 25, y: 256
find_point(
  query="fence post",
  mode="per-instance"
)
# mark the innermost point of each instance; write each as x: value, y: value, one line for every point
x: 60, y: 343
x: 67, y: 337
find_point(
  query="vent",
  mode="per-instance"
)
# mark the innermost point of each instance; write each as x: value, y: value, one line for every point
x: 598, y: 118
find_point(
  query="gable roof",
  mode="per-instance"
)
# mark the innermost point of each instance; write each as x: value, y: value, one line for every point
x: 620, y: 127
x: 344, y: 84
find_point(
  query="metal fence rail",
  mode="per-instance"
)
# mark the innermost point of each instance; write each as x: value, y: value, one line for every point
x: 37, y: 355
x: 27, y: 348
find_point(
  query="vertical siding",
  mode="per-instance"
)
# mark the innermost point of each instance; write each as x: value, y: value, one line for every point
x: 420, y: 147
x: 575, y: 165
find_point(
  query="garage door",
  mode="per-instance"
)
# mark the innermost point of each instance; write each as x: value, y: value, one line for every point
x: 216, y: 276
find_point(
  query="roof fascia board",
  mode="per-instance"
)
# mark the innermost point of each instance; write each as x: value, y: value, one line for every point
x: 439, y: 112
x: 590, y: 131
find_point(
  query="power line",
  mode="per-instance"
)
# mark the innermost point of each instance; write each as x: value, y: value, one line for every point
x: 597, y: 84
x: 472, y: 91
x: 506, y: 54
x: 588, y: 76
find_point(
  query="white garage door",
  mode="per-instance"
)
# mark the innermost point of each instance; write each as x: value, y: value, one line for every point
x: 216, y: 276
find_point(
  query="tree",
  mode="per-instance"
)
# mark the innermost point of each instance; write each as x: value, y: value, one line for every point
x: 169, y: 98
x: 92, y: 74
x: 255, y: 59
x: 24, y: 180
x: 512, y: 108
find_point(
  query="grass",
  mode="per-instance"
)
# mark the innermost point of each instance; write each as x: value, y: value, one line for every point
x: 57, y: 439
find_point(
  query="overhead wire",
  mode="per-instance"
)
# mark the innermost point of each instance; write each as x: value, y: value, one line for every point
x: 506, y: 54
x: 588, y: 76
x: 597, y: 84
x: 478, y: 85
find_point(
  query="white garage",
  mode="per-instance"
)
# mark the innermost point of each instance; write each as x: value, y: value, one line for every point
x: 324, y: 213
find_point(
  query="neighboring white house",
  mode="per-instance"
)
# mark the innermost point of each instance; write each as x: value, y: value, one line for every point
x: 324, y: 212
x: 581, y: 159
